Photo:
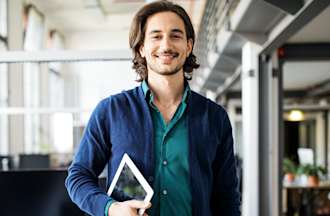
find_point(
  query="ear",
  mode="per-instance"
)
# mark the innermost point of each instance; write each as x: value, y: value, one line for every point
x: 189, y: 47
x: 142, y: 52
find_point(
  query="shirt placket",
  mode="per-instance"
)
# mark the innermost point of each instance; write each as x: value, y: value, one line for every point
x: 164, y: 163
x: 163, y: 156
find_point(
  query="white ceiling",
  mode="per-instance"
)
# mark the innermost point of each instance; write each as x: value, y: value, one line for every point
x: 70, y: 16
x: 317, y: 30
x: 301, y: 75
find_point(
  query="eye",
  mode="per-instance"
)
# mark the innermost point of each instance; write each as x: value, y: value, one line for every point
x: 155, y: 37
x: 176, y: 36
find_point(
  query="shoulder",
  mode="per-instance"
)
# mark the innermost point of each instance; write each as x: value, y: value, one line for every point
x: 119, y: 97
x: 207, y: 104
x: 126, y: 95
x: 119, y: 101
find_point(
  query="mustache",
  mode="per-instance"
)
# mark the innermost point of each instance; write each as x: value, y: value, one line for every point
x: 168, y: 52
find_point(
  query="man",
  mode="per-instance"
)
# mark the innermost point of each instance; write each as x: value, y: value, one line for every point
x: 180, y: 141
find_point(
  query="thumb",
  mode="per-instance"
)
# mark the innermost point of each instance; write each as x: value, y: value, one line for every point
x: 137, y: 204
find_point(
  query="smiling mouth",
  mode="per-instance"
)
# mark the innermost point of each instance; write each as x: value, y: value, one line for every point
x: 167, y: 57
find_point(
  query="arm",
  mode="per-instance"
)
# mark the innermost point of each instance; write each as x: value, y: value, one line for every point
x: 225, y: 195
x: 92, y: 156
x: 89, y: 161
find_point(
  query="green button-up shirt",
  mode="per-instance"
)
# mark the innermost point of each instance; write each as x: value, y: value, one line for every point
x: 172, y: 194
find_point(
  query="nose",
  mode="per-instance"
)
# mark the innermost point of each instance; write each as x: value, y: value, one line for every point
x: 166, y: 43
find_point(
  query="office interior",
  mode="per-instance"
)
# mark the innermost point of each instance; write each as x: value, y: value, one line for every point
x: 266, y: 61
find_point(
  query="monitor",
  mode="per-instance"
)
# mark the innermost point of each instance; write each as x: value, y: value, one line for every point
x: 34, y: 161
x: 35, y: 193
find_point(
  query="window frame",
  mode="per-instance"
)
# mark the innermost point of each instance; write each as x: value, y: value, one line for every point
x: 4, y: 37
x: 4, y: 81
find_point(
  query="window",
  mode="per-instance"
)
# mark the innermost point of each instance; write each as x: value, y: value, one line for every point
x: 33, y: 41
x: 3, y: 19
x: 3, y: 103
x: 56, y: 80
x: 3, y: 80
x: 61, y: 125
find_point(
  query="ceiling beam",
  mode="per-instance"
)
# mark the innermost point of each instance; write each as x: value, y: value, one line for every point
x: 229, y: 82
x: 220, y: 75
x: 304, y: 52
x: 292, y: 24
x: 295, y: 93
x: 234, y: 94
x: 255, y: 37
x: 291, y: 6
x: 64, y: 56
x: 321, y: 89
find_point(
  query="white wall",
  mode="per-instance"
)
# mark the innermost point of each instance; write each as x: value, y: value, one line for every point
x: 98, y: 80
x: 97, y: 40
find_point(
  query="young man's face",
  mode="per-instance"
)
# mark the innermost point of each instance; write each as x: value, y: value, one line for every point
x: 165, y: 46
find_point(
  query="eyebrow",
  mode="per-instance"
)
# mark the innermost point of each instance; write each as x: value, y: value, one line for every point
x: 154, y: 32
x: 173, y: 31
x: 177, y: 31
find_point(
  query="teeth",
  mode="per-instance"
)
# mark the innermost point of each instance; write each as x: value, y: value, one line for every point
x: 167, y: 55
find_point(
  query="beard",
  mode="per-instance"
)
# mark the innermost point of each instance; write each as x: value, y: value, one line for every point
x: 165, y: 72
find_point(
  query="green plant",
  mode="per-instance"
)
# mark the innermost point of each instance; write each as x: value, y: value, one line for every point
x: 312, y: 170
x: 289, y: 166
x: 302, y: 170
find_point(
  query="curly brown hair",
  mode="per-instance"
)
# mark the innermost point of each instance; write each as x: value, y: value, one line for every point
x: 137, y: 33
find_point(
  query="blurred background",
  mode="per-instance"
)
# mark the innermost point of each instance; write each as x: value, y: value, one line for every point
x: 266, y: 61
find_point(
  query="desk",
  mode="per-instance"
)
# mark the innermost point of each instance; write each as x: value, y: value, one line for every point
x: 306, y: 200
x: 35, y: 193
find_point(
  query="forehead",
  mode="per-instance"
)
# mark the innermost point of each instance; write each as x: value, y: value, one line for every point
x: 164, y: 21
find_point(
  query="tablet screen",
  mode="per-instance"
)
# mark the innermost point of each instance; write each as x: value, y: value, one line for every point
x: 128, y: 184
x: 128, y: 187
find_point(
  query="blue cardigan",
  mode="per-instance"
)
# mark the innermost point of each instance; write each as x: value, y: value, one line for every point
x: 122, y: 124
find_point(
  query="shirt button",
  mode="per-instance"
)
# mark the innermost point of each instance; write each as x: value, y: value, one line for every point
x: 165, y: 192
x: 165, y: 162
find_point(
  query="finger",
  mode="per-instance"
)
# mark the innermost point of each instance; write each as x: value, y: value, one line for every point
x: 137, y: 204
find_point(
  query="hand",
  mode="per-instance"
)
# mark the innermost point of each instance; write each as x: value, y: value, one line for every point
x: 127, y: 208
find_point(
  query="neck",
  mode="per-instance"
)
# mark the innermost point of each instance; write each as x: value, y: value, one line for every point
x: 166, y: 89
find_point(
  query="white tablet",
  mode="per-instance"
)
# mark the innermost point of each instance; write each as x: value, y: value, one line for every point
x: 128, y: 183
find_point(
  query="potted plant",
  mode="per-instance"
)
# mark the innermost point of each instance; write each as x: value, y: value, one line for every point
x: 289, y: 169
x: 313, y: 173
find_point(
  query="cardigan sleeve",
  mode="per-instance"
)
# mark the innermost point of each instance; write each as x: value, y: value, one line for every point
x: 89, y: 161
x: 225, y: 198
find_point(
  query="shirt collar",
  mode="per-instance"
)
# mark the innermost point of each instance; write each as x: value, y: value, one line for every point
x: 145, y: 88
x: 147, y: 92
